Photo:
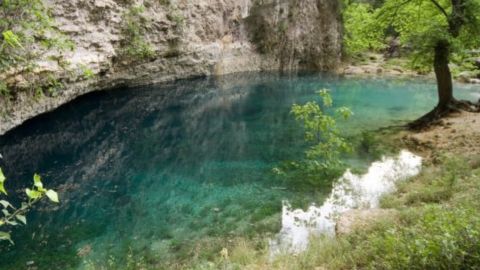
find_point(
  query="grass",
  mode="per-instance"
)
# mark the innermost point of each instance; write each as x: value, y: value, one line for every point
x: 436, y: 226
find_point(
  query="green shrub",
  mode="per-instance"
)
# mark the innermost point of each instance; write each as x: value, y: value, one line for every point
x: 325, y: 144
x: 13, y: 216
x: 442, y: 238
x: 27, y: 32
x: 136, y: 46
x: 87, y: 72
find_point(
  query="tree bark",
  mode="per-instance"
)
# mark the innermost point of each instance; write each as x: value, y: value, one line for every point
x: 444, y: 87
x: 443, y: 75
x: 446, y: 102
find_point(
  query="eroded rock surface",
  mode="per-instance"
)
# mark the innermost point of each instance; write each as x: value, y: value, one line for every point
x: 188, y: 37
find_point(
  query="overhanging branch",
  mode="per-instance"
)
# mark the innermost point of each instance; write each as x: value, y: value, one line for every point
x: 440, y: 8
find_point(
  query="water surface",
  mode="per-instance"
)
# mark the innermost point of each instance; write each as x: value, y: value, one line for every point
x: 160, y: 171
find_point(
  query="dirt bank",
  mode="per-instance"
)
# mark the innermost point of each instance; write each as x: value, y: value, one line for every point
x: 458, y: 134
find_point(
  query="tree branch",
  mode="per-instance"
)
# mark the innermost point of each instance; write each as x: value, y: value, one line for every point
x: 440, y: 8
x: 394, y: 15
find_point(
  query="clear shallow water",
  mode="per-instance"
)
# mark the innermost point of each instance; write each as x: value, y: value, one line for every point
x: 161, y: 170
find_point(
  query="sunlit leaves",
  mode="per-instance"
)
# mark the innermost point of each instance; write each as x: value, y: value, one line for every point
x: 5, y: 204
x: 344, y: 112
x: 52, y: 195
x: 2, y: 181
x: 33, y: 194
x: 326, y: 97
x: 22, y: 219
x: 5, y: 236
x: 134, y: 30
x: 37, y: 181
x: 419, y: 24
x: 362, y: 29
x: 26, y: 32
x: 11, y: 214
x: 326, y: 145
x: 11, y: 39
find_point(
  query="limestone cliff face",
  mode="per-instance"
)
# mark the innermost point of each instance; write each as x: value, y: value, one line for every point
x: 187, y: 37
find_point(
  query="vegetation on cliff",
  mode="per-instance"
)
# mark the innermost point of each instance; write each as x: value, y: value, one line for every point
x: 27, y: 32
x: 136, y: 47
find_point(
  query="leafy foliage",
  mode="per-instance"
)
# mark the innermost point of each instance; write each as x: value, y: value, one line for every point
x: 136, y: 47
x: 13, y: 215
x: 326, y: 145
x: 87, y: 73
x: 433, y: 234
x: 442, y: 239
x: 419, y: 24
x: 27, y: 31
x: 362, y: 31
x: 437, y: 227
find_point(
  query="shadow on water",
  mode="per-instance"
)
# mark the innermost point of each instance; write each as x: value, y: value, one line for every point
x: 156, y: 168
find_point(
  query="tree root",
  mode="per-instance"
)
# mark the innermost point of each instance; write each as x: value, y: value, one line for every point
x: 434, y: 117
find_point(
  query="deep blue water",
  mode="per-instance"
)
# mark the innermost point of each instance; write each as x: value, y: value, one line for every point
x: 159, y: 171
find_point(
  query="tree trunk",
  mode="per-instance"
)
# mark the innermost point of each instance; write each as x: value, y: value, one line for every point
x: 446, y: 102
x: 444, y: 76
x: 444, y: 87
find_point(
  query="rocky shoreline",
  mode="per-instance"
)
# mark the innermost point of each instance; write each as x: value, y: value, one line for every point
x: 187, y: 39
x: 377, y: 65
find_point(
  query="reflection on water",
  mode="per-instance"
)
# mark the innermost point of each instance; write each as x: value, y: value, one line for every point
x: 158, y: 169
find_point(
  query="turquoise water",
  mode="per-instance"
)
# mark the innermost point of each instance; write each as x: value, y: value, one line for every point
x: 164, y: 171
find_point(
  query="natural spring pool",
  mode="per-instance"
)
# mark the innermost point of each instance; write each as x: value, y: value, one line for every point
x: 166, y: 171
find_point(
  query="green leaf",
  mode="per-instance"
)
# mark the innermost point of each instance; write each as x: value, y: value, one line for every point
x: 5, y: 236
x: 5, y: 204
x: 24, y: 206
x: 13, y: 223
x: 2, y: 181
x: 11, y: 39
x: 22, y: 219
x: 37, y: 181
x: 33, y: 194
x: 2, y: 188
x: 52, y: 195
x: 2, y: 176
